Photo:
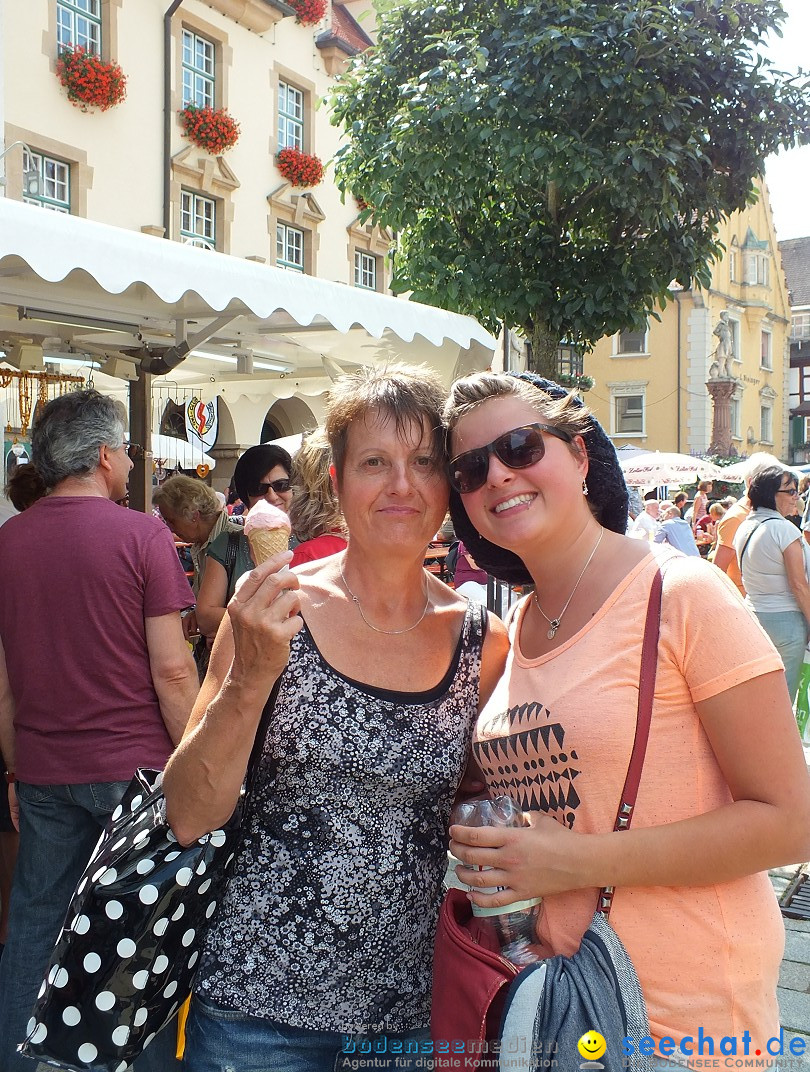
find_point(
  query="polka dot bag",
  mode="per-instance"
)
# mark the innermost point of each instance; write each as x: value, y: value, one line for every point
x: 128, y: 951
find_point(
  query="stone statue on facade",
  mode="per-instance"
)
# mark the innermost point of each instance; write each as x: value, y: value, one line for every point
x: 720, y: 368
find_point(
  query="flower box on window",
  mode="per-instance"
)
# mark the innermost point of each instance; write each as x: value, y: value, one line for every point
x: 575, y: 381
x: 90, y: 81
x: 308, y: 12
x: 213, y: 129
x: 299, y: 169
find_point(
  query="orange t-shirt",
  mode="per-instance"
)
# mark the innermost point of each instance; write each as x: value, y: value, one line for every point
x: 726, y: 531
x: 556, y: 735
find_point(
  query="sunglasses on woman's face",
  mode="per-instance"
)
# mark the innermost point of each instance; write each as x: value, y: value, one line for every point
x: 278, y: 486
x: 517, y: 449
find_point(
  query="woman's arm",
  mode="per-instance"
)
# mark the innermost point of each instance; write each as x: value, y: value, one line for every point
x: 204, y: 776
x: 793, y: 556
x: 766, y: 825
x: 211, y: 599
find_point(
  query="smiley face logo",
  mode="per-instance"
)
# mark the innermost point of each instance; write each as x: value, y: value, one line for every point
x: 592, y: 1046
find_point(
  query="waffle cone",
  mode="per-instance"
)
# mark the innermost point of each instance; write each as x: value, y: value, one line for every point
x: 268, y: 542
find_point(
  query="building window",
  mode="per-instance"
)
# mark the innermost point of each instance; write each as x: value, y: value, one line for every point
x: 198, y: 70
x: 765, y: 423
x: 78, y: 23
x: 733, y: 267
x: 290, y: 117
x: 627, y: 411
x: 289, y: 248
x: 757, y: 269
x: 800, y: 326
x: 54, y: 182
x: 570, y: 361
x: 765, y: 350
x: 198, y: 220
x: 631, y: 342
x: 736, y: 414
x: 365, y: 270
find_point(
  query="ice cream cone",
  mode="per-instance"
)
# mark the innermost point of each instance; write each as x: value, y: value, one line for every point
x: 265, y: 543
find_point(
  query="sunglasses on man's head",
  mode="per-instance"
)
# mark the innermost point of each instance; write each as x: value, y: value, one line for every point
x: 278, y: 486
x: 517, y: 449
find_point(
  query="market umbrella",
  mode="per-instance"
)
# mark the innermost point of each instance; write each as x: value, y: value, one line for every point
x: 655, y: 468
x: 170, y: 453
x: 628, y: 451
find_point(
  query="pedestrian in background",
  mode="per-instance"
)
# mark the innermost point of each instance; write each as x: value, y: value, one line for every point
x: 315, y: 517
x: 96, y: 678
x: 772, y: 561
x: 672, y: 529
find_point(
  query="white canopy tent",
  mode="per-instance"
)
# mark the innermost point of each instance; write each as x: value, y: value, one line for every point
x: 77, y: 291
x: 101, y: 289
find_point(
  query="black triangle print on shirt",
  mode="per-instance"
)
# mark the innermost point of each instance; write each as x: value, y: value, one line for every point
x: 532, y: 765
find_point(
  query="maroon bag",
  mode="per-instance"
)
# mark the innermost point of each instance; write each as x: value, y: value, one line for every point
x: 470, y: 977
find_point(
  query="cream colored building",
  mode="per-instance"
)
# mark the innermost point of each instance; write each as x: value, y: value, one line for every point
x: 131, y: 167
x: 649, y: 387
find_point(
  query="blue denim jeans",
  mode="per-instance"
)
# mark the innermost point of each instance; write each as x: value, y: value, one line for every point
x: 788, y: 631
x: 224, y: 1040
x: 59, y: 828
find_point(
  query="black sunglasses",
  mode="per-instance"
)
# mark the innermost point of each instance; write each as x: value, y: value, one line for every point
x: 517, y: 449
x: 278, y: 486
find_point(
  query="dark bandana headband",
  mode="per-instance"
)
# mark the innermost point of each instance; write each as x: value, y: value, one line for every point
x: 607, y: 494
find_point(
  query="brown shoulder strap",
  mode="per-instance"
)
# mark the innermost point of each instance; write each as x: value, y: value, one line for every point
x: 646, y: 694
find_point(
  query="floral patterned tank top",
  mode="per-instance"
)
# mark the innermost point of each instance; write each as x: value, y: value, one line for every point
x: 328, y: 921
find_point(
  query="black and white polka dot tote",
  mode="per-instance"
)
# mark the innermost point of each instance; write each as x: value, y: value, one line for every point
x: 128, y: 951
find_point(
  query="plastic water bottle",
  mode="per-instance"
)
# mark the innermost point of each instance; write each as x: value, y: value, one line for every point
x: 514, y: 924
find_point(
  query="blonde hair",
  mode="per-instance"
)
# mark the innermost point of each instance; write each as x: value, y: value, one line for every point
x: 183, y: 496
x: 314, y: 508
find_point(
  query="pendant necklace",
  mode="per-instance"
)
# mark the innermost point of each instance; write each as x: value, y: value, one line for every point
x: 388, y: 632
x: 554, y: 623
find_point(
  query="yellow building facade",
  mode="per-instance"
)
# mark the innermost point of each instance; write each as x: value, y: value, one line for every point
x: 650, y: 387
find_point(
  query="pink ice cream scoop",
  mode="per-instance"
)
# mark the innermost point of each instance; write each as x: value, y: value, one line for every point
x: 268, y: 531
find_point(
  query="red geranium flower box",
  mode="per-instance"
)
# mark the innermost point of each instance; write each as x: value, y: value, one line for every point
x: 299, y: 169
x: 90, y: 81
x: 213, y: 129
x: 308, y: 12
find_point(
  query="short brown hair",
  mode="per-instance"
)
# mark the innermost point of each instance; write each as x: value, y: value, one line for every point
x: 410, y: 395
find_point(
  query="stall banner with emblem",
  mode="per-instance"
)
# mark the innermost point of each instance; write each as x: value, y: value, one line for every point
x: 16, y: 451
x: 202, y: 422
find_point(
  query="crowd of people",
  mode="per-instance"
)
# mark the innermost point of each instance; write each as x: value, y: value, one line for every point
x: 397, y: 695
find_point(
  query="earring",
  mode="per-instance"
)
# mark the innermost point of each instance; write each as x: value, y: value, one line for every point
x: 584, y: 488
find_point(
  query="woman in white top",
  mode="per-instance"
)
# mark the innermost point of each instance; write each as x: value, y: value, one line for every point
x: 772, y: 563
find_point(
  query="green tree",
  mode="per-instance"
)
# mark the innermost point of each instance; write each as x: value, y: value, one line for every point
x: 557, y: 165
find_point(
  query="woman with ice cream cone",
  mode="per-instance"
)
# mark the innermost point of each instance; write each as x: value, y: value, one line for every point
x: 325, y: 934
x: 262, y: 473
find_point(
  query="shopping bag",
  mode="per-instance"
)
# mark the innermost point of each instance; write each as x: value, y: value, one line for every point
x: 127, y: 955
x: 803, y: 696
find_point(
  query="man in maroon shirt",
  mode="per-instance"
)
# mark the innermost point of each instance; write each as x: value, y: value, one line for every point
x: 96, y: 678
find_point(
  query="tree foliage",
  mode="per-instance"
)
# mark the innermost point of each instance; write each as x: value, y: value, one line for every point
x: 557, y: 165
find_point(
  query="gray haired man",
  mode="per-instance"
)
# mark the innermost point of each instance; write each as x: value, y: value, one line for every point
x: 96, y: 678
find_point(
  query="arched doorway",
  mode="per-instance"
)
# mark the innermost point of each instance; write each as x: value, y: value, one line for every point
x: 286, y: 417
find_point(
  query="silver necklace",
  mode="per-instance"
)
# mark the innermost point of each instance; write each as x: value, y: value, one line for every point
x: 554, y: 623
x: 388, y: 632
